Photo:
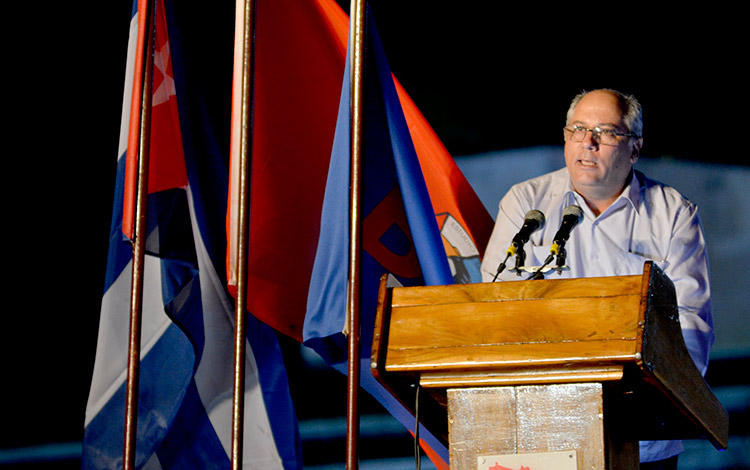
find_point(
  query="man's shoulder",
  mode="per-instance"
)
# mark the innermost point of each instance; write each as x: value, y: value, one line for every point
x: 538, y: 191
x: 655, y: 191
x: 557, y: 181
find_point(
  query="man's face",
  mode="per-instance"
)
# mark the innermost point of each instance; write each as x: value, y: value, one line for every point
x: 597, y: 170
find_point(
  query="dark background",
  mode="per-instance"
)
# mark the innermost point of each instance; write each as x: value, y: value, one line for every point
x: 487, y: 76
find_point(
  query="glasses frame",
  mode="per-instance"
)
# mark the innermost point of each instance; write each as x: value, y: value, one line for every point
x: 595, y: 132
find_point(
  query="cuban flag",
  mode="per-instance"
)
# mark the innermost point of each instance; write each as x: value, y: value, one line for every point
x: 423, y: 223
x: 185, y: 397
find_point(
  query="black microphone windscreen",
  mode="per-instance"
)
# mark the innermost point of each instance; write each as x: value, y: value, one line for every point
x: 573, y: 210
x: 535, y: 215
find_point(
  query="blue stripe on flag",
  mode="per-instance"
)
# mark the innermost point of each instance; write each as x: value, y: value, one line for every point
x: 274, y: 383
x: 117, y: 256
x: 394, y: 190
x: 192, y: 441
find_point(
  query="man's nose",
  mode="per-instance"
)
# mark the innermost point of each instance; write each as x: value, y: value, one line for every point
x: 590, y: 139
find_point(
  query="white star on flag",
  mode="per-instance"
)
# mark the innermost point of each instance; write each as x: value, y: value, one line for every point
x: 166, y: 88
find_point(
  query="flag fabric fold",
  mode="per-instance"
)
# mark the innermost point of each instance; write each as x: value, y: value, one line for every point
x: 400, y: 233
x: 185, y: 397
x: 422, y: 222
x: 298, y: 61
x: 300, y: 57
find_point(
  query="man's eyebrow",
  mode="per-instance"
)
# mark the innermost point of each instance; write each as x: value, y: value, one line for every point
x: 604, y: 124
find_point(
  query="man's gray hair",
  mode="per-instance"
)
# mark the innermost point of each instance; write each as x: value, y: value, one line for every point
x: 631, y: 110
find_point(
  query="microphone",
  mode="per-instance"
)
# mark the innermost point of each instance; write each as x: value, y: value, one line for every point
x: 572, y: 216
x: 533, y: 221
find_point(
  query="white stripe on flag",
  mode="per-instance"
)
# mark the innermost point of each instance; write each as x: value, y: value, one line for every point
x: 128, y: 89
x: 214, y: 377
x: 110, y: 366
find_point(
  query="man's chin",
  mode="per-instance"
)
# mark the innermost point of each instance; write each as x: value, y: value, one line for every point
x: 588, y: 179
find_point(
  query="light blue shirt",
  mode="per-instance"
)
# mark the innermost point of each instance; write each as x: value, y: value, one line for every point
x: 648, y: 221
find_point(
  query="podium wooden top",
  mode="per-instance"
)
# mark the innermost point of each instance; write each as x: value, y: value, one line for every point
x: 534, y: 326
x: 619, y: 329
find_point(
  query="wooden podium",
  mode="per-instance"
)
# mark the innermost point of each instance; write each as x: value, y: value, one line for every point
x: 576, y: 369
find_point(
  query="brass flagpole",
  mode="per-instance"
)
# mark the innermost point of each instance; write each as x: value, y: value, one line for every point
x: 139, y: 246
x: 357, y: 35
x: 247, y: 8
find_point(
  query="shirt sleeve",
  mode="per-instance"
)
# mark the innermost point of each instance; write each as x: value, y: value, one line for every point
x: 689, y: 271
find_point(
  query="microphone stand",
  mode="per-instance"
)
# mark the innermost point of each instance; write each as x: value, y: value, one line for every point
x: 560, y: 259
x: 520, y: 260
x: 501, y: 267
x: 538, y: 273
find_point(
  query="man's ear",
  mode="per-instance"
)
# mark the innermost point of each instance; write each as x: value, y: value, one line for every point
x: 636, y: 151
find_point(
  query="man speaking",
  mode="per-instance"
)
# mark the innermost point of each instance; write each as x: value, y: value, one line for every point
x: 603, y: 218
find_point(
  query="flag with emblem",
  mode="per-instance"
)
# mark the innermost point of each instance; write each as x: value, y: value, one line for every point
x: 422, y: 220
x: 296, y: 107
x: 185, y: 397
x: 400, y: 232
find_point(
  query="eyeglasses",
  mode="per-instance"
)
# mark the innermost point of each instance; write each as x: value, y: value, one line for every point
x: 602, y: 135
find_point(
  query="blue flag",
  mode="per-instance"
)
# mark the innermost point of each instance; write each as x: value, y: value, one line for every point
x: 400, y: 231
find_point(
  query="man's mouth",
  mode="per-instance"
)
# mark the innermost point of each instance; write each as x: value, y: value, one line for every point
x: 587, y: 163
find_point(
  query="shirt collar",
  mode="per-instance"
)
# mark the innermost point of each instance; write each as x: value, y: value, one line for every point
x: 633, y: 190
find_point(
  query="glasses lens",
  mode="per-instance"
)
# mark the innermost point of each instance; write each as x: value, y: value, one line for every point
x: 574, y: 133
x: 606, y: 136
x: 603, y: 136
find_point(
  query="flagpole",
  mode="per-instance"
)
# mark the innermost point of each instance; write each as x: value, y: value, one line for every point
x: 247, y: 7
x: 139, y: 246
x: 357, y: 28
